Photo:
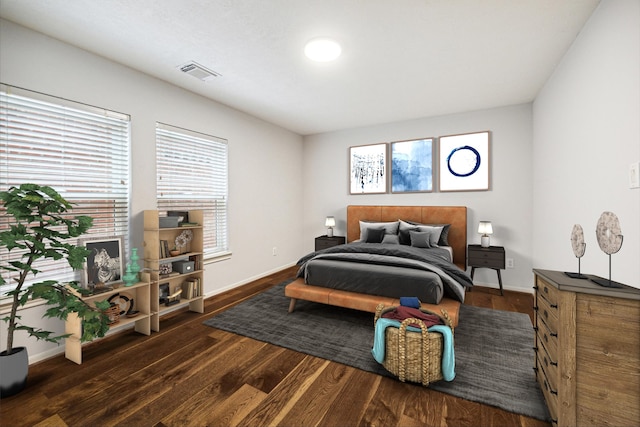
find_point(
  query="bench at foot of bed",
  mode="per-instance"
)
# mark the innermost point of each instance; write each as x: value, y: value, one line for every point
x: 299, y: 290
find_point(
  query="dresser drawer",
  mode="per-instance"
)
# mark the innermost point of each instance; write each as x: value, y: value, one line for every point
x: 549, y: 365
x: 549, y: 339
x: 550, y: 395
x: 548, y: 314
x: 548, y: 292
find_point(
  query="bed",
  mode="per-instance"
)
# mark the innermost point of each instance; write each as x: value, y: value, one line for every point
x: 360, y: 275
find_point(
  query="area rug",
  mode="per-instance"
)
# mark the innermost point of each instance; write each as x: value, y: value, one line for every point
x: 493, y: 348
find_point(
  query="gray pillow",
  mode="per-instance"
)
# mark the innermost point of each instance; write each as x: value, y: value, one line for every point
x: 420, y: 239
x: 375, y: 235
x: 390, y: 228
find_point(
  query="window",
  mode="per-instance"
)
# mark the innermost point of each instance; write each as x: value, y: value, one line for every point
x: 80, y: 151
x: 192, y: 175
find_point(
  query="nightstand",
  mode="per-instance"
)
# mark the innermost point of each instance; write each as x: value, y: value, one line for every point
x: 324, y: 242
x: 491, y: 257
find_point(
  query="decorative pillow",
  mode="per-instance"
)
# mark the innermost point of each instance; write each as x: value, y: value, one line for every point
x: 443, y: 237
x: 391, y: 239
x: 390, y: 228
x: 420, y: 239
x: 375, y: 235
x: 403, y: 235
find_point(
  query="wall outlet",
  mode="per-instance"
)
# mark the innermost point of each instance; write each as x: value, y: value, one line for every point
x: 510, y: 263
x: 274, y: 251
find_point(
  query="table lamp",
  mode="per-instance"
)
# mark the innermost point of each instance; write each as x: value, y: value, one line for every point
x: 485, y: 229
x: 330, y: 222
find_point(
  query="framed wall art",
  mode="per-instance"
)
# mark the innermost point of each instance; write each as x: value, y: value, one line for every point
x: 105, y: 262
x: 412, y: 166
x: 368, y: 169
x: 464, y: 162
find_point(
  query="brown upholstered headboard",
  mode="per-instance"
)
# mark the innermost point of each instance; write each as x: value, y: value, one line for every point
x: 454, y: 215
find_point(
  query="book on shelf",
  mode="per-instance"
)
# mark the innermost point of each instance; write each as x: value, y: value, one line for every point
x: 188, y: 224
x: 192, y: 288
x: 165, y: 248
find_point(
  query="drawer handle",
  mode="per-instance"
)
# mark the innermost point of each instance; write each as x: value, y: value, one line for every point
x: 554, y: 305
x: 549, y: 362
x: 548, y: 387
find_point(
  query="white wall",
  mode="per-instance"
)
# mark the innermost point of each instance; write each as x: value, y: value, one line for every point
x: 264, y: 160
x: 508, y: 204
x: 586, y: 134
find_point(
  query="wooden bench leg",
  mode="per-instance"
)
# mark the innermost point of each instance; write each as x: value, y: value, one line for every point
x: 292, y: 305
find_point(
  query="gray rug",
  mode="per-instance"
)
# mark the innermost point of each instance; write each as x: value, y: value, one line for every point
x: 494, y: 349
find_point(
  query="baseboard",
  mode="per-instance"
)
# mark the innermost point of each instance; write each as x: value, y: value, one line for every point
x: 249, y: 280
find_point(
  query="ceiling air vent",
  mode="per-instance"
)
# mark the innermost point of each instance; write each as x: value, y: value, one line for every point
x: 198, y: 71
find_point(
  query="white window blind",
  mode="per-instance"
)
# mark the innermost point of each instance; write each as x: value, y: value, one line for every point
x: 192, y: 175
x: 80, y: 151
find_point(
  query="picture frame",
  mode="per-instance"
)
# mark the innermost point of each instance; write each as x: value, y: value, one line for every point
x: 464, y: 162
x: 105, y: 263
x: 412, y: 166
x: 368, y: 169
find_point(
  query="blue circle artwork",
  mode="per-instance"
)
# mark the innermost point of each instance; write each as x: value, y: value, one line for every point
x: 463, y: 161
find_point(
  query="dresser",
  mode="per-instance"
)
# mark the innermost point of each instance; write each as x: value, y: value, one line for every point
x: 587, y: 344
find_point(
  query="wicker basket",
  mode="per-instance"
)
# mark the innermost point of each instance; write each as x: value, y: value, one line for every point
x: 113, y: 313
x: 413, y: 356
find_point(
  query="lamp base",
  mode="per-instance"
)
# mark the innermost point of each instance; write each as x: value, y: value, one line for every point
x: 329, y: 232
x: 485, y: 241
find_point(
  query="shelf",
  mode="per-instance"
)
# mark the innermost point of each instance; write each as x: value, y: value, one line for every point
x: 167, y: 279
x: 153, y: 248
x: 141, y: 294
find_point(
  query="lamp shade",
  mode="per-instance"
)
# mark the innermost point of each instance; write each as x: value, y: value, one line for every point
x: 485, y: 227
x: 330, y: 222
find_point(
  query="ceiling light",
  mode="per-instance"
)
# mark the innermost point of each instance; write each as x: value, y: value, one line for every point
x: 322, y: 50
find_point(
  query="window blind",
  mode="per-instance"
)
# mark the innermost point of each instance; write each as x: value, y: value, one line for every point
x: 80, y: 151
x: 192, y: 174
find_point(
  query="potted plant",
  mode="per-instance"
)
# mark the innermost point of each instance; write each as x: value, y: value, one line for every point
x: 40, y: 227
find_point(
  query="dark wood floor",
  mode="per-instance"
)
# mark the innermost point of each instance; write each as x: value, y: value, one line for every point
x: 192, y: 375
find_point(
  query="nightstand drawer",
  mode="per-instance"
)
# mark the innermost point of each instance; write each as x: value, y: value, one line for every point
x: 488, y: 261
x: 325, y: 242
x: 491, y: 257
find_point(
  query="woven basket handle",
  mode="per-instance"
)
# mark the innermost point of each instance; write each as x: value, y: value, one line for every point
x: 402, y: 349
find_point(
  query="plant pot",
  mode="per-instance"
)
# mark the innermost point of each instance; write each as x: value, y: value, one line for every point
x: 14, y: 369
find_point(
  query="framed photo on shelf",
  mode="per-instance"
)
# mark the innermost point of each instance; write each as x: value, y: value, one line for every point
x: 464, y: 162
x: 412, y: 166
x: 368, y: 169
x: 105, y: 262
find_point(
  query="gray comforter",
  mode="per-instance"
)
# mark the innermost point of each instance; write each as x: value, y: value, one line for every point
x: 385, y: 269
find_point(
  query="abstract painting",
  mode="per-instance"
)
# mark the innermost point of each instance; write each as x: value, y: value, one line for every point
x: 412, y: 166
x: 464, y: 162
x: 368, y: 169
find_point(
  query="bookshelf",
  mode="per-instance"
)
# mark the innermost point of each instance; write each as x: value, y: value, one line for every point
x: 135, y: 297
x: 176, y: 278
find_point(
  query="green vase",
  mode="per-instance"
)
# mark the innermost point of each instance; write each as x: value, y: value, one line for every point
x: 129, y: 277
x: 135, y: 267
